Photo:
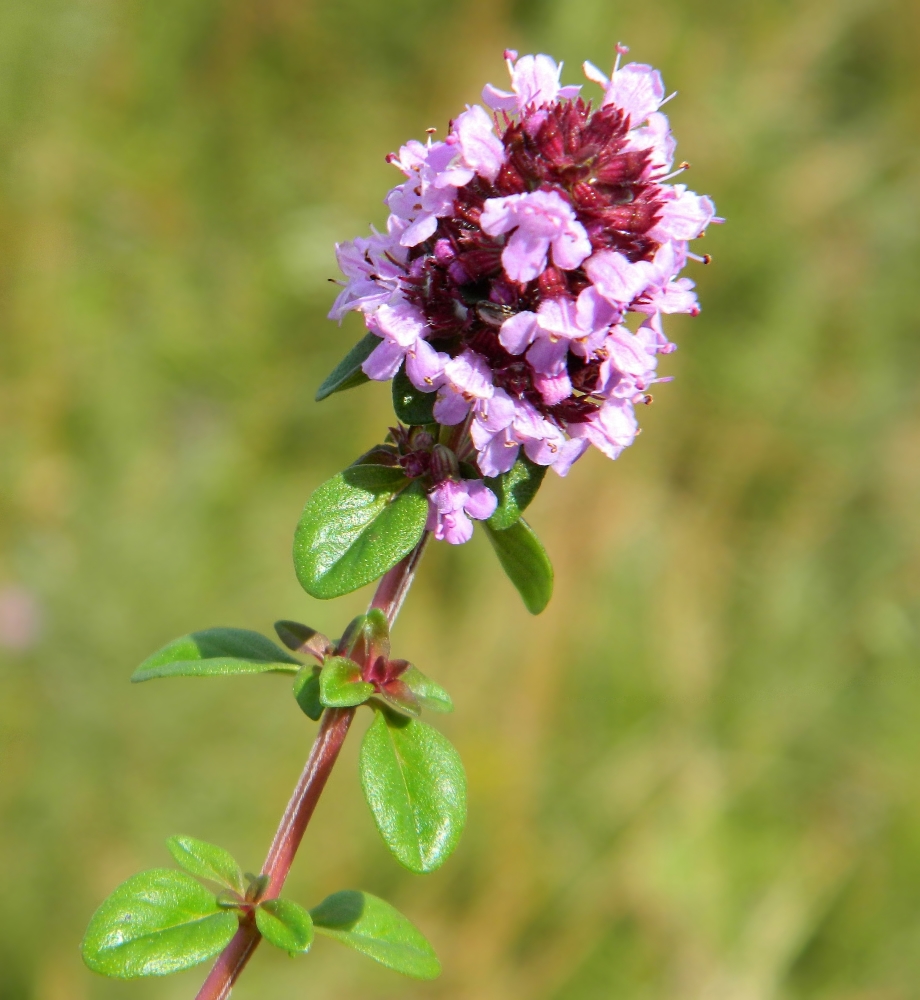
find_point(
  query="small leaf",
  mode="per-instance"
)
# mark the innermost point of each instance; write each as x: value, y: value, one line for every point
x: 206, y: 861
x: 340, y: 684
x: 306, y: 692
x: 412, y: 406
x: 258, y: 886
x: 432, y: 696
x: 525, y: 561
x: 347, y: 373
x: 414, y: 783
x: 303, y: 639
x: 355, y: 527
x: 367, y: 637
x: 514, y: 490
x: 399, y: 697
x: 155, y: 923
x: 378, y: 930
x: 285, y: 925
x: 216, y: 652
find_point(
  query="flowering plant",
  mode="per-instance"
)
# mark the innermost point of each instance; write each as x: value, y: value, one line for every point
x: 516, y: 302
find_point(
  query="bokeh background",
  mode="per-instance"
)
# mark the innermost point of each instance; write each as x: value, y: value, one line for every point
x: 697, y: 774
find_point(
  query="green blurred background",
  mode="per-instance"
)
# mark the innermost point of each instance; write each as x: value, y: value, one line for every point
x: 696, y: 774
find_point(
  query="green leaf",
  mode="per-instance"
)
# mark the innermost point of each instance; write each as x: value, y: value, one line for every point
x: 432, y: 696
x: 514, y: 490
x: 367, y: 637
x: 414, y: 783
x: 347, y: 373
x: 525, y: 561
x: 303, y: 639
x: 340, y: 684
x: 355, y: 527
x: 398, y: 696
x: 285, y: 925
x: 412, y: 406
x: 157, y: 922
x: 217, y: 652
x: 306, y: 692
x: 206, y: 861
x: 378, y: 930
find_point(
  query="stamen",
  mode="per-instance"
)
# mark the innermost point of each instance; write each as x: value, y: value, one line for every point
x: 621, y: 51
x: 670, y: 97
x: 705, y: 259
x: 681, y: 167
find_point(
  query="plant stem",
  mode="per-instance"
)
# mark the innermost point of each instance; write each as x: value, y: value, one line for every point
x: 389, y: 597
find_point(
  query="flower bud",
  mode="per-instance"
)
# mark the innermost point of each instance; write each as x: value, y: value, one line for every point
x: 444, y: 464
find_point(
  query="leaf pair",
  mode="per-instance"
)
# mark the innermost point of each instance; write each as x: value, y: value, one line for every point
x: 163, y: 921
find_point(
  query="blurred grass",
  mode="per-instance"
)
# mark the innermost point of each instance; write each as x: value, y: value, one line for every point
x: 696, y: 774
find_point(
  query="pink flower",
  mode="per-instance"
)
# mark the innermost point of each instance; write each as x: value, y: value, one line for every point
x: 403, y: 328
x: 540, y: 220
x: 611, y: 429
x: 501, y: 425
x: 467, y: 377
x: 451, y: 504
x: 373, y: 266
x: 635, y: 88
x: 428, y: 194
x: 481, y: 150
x: 559, y: 325
x: 683, y: 216
x: 535, y: 82
x: 618, y: 280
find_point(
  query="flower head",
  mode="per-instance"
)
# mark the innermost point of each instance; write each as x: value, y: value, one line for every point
x: 527, y: 265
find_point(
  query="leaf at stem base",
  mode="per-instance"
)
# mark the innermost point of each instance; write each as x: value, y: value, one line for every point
x: 155, y: 923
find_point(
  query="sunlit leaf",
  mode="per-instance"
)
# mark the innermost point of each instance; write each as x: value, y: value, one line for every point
x: 285, y: 925
x: 155, y: 923
x: 415, y: 786
x: 217, y: 652
x: 205, y: 860
x: 340, y: 684
x: 355, y: 527
x: 378, y: 930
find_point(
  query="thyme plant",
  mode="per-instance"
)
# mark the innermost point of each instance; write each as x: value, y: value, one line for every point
x: 515, y: 301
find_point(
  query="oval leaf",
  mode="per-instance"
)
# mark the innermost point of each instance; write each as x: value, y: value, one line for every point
x: 217, y: 652
x: 285, y: 925
x: 515, y: 489
x: 412, y: 406
x: 347, y: 373
x: 432, y: 696
x: 156, y: 923
x: 378, y: 930
x: 306, y: 692
x: 206, y: 861
x: 355, y: 527
x: 303, y: 639
x: 414, y: 783
x: 525, y: 561
x: 340, y: 684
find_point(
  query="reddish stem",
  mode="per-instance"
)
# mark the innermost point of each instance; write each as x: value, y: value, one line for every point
x: 389, y: 597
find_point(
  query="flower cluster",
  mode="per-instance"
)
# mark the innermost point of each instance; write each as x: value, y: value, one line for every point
x: 516, y: 252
